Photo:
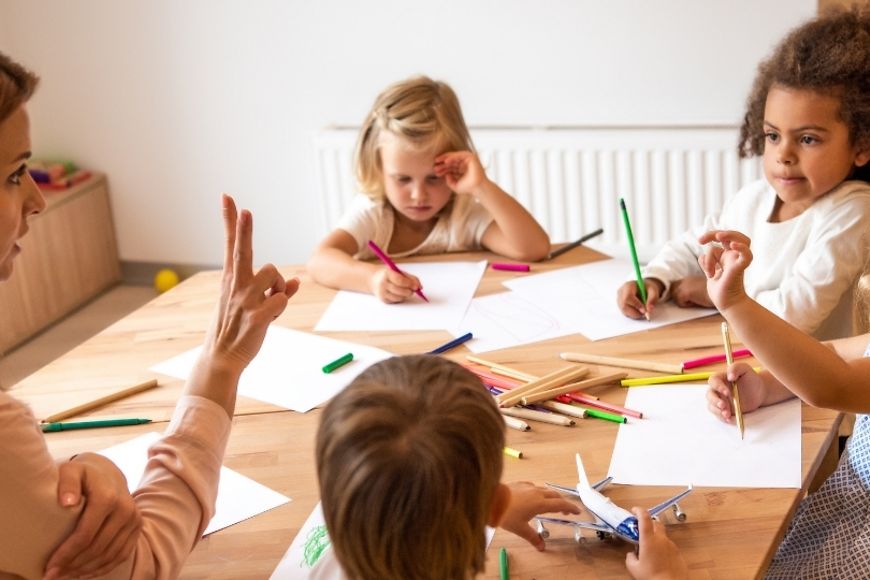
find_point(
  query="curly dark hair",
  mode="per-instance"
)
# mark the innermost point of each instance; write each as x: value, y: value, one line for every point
x: 829, y: 55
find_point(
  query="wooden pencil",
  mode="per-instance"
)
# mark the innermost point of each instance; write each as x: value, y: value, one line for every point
x: 571, y: 410
x: 551, y: 380
x: 501, y: 369
x: 85, y: 407
x: 543, y: 395
x: 627, y: 363
x: 532, y: 415
x: 515, y: 423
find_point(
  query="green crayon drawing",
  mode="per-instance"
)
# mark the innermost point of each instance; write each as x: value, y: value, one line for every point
x: 316, y: 542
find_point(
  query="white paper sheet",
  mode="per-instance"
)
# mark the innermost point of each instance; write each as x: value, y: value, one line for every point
x: 679, y: 442
x: 310, y: 544
x: 239, y: 498
x: 583, y: 298
x: 288, y: 369
x: 507, y: 319
x: 449, y: 286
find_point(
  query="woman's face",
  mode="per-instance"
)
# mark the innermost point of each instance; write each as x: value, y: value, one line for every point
x: 19, y: 196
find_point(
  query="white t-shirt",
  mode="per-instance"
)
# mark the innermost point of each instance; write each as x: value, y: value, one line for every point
x: 460, y: 227
x: 804, y: 269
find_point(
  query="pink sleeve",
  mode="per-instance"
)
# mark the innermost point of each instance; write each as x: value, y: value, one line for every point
x: 178, y: 490
x: 32, y: 523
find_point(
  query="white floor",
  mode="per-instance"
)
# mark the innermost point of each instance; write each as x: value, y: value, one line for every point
x: 71, y: 331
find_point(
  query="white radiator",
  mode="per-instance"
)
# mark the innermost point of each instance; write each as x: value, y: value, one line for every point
x: 571, y: 179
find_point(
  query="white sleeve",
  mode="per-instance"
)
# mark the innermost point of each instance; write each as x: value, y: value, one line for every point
x: 833, y: 258
x: 679, y: 258
x: 360, y: 220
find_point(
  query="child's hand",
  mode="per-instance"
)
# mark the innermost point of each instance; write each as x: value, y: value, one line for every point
x: 628, y: 299
x: 719, y: 394
x: 724, y: 266
x: 527, y: 501
x: 691, y: 291
x: 393, y: 287
x: 462, y: 171
x: 659, y: 558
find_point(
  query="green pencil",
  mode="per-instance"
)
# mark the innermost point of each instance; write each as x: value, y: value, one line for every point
x: 606, y: 416
x: 504, y: 571
x: 640, y: 285
x: 50, y: 427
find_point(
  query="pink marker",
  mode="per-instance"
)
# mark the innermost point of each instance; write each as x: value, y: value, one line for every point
x: 716, y: 358
x: 510, y: 267
x: 392, y: 266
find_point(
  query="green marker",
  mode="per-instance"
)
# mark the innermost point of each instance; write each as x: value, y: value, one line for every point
x: 50, y: 427
x: 606, y: 416
x: 339, y: 362
x: 640, y: 285
x: 504, y: 572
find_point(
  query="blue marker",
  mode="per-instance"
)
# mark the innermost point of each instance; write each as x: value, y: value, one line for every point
x: 452, y: 344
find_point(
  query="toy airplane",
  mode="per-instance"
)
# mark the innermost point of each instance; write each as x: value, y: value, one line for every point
x: 610, y: 519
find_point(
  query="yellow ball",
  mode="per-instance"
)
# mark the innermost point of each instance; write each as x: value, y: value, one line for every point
x: 165, y: 279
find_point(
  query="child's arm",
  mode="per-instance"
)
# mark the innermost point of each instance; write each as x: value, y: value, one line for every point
x: 808, y: 368
x: 514, y: 232
x: 528, y: 500
x: 658, y: 557
x: 333, y: 265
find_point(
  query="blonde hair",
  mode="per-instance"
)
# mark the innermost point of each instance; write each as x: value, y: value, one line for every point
x: 862, y: 303
x: 423, y: 112
x: 409, y: 457
x: 17, y: 85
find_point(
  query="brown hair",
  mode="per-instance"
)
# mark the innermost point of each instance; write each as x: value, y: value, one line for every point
x: 828, y: 55
x: 423, y: 112
x: 409, y: 457
x: 17, y: 85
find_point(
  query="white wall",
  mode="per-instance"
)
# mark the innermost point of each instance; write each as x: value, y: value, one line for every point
x: 178, y: 101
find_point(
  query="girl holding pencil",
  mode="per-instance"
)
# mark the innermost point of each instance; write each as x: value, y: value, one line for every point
x: 113, y: 535
x: 424, y: 192
x: 807, y: 117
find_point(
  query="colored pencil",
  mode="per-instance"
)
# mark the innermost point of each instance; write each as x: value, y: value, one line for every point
x: 510, y: 267
x: 572, y: 245
x: 503, y: 567
x: 585, y: 399
x: 628, y: 363
x: 735, y: 393
x: 337, y: 363
x: 452, y: 344
x: 683, y: 378
x: 515, y: 423
x: 84, y: 408
x: 383, y: 257
x: 531, y: 415
x: 502, y: 369
x: 716, y: 358
x: 564, y: 409
x: 640, y: 285
x: 543, y: 395
x: 51, y: 427
x: 546, y: 382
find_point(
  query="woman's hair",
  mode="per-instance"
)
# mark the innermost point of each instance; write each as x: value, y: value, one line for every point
x: 409, y: 457
x: 829, y: 55
x: 423, y: 112
x: 862, y: 302
x: 17, y: 84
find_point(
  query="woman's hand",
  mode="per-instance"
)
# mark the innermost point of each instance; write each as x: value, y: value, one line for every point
x: 719, y: 392
x: 249, y: 302
x: 462, y: 171
x: 108, y: 527
x: 724, y: 265
x: 527, y: 501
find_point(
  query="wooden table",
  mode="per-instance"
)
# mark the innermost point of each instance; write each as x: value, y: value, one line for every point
x: 730, y: 533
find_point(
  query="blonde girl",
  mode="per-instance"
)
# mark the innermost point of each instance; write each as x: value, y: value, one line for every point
x: 424, y: 192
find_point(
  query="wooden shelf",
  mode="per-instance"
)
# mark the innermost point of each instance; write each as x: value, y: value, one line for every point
x: 69, y: 256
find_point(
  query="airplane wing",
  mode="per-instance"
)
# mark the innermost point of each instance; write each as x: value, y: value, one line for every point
x: 656, y: 510
x: 597, y: 486
x: 604, y: 528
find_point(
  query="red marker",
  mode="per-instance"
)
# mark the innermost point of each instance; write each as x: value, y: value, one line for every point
x: 510, y: 267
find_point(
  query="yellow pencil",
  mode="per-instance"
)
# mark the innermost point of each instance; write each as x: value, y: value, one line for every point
x: 682, y: 378
x: 735, y: 394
